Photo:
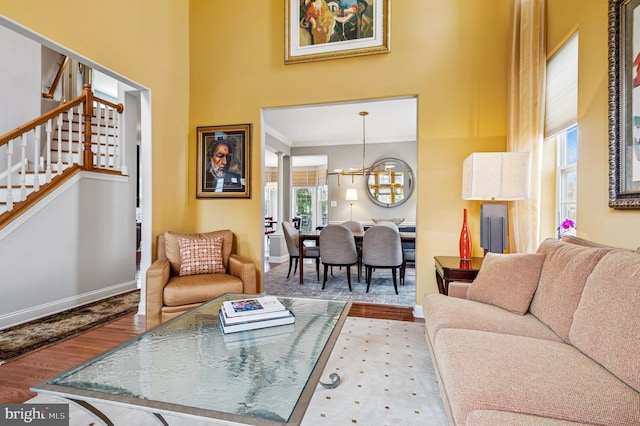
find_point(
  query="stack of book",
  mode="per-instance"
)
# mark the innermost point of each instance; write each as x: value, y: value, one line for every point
x: 252, y: 314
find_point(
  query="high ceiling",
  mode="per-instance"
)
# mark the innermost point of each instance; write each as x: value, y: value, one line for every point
x: 389, y: 120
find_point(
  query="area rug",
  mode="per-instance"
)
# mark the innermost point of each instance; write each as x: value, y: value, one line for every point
x: 381, y: 291
x: 386, y: 379
x: 24, y: 338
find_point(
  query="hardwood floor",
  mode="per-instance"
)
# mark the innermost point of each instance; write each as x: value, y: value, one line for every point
x: 18, y: 376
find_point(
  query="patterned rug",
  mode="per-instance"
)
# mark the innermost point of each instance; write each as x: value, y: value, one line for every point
x: 24, y: 338
x: 275, y: 282
x: 386, y: 379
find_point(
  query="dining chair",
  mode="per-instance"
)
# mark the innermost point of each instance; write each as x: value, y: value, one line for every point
x: 338, y: 248
x: 356, y: 226
x: 382, y: 249
x: 291, y: 238
x: 408, y: 256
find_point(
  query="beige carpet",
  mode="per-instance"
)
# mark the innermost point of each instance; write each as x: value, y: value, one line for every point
x: 386, y: 379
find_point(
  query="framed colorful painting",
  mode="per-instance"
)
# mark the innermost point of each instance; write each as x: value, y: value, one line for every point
x: 328, y: 29
x: 223, y: 169
x: 624, y: 104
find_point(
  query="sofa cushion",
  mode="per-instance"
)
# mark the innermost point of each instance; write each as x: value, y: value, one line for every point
x: 507, y: 280
x: 201, y: 256
x: 564, y: 273
x: 490, y: 371
x: 606, y: 325
x: 441, y: 312
x: 172, y: 246
x: 199, y: 288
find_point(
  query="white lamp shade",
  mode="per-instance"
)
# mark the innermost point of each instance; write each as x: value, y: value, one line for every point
x: 352, y: 194
x: 496, y: 176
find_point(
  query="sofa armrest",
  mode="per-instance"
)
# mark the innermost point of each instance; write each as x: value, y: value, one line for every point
x: 458, y: 289
x: 245, y: 269
x: 157, y: 277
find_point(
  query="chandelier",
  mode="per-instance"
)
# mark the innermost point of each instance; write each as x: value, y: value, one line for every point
x: 353, y: 172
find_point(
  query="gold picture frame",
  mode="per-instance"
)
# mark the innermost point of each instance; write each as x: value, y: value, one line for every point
x: 317, y: 30
x: 223, y: 161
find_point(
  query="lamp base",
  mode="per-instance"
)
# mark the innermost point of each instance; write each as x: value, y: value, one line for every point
x: 493, y: 227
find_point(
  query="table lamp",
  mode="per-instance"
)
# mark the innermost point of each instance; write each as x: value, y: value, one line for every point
x: 352, y: 195
x: 497, y: 177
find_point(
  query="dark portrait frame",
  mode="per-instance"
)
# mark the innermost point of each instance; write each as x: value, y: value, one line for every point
x: 300, y: 44
x: 624, y: 111
x: 237, y: 181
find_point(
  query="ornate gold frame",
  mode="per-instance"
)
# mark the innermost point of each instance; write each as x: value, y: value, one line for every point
x: 379, y: 43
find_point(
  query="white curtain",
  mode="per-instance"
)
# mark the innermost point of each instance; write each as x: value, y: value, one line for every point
x: 525, y: 125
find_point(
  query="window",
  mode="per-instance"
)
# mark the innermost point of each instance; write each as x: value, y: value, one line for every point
x: 561, y: 116
x: 566, y: 174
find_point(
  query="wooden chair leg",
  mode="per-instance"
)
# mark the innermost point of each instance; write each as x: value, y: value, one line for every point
x: 349, y: 276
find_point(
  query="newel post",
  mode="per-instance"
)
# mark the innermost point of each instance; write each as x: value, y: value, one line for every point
x: 87, y: 158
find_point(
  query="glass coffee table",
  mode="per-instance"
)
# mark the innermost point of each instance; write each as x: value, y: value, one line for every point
x: 188, y: 367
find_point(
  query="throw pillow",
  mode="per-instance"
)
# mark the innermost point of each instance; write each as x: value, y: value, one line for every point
x: 201, y: 256
x: 507, y: 280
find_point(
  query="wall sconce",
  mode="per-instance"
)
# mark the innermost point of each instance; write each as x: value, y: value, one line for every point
x: 352, y: 195
x: 497, y: 177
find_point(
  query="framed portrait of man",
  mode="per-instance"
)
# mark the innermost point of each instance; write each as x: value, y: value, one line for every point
x: 223, y: 169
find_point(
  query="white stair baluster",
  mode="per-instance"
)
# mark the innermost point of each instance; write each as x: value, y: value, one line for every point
x: 48, y: 130
x: 59, y: 163
x: 99, y: 139
x: 23, y: 168
x: 112, y: 135
x: 9, y: 175
x: 36, y: 161
x: 80, y: 134
x: 70, y: 136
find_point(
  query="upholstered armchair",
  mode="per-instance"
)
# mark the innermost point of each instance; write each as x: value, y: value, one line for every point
x: 194, y: 268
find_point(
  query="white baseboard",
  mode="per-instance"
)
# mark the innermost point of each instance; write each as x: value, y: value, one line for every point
x: 279, y: 259
x: 30, y: 314
x: 418, y: 312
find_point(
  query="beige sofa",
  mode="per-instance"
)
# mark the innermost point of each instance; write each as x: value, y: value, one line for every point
x: 169, y: 294
x: 541, y: 339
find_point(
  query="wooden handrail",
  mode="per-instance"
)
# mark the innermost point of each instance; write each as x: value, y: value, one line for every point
x: 4, y: 139
x: 117, y: 107
x: 56, y: 80
x: 86, y: 95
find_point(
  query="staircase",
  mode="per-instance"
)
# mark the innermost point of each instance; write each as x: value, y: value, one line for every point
x: 82, y: 134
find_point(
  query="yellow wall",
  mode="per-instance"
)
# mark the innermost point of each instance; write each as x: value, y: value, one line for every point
x: 596, y: 221
x: 451, y: 54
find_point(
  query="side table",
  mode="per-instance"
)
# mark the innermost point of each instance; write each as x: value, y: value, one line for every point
x: 452, y: 268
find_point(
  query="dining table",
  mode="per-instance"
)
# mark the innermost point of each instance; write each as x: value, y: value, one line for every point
x: 405, y: 237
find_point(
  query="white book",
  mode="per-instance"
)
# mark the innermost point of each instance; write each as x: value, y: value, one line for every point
x: 252, y: 306
x: 254, y: 325
x: 254, y: 317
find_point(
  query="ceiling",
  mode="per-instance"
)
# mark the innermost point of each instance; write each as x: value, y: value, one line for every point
x: 389, y: 120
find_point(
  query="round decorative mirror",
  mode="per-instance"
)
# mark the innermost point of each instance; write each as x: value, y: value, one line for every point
x: 389, y: 182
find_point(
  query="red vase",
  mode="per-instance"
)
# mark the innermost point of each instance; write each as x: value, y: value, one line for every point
x: 465, y: 239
